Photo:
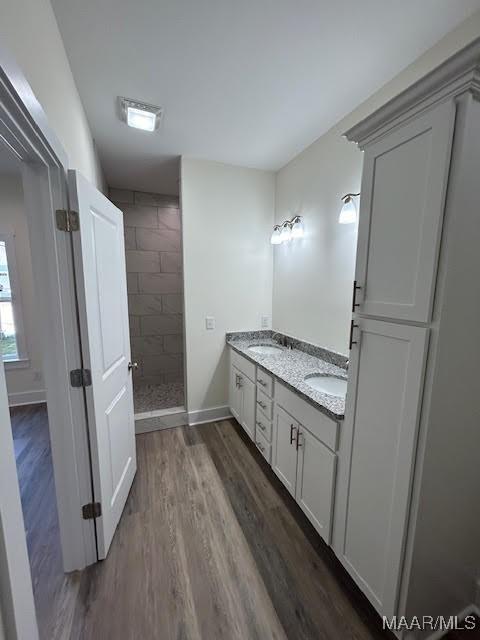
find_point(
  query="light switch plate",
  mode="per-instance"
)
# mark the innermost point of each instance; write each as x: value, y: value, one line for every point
x: 265, y: 322
x: 209, y: 323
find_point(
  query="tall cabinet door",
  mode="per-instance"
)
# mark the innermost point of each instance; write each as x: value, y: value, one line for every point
x: 401, y: 212
x: 248, y: 405
x: 235, y: 393
x: 284, y: 461
x: 315, y: 482
x: 381, y: 420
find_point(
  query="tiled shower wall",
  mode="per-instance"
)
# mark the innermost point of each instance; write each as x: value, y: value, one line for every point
x: 154, y: 283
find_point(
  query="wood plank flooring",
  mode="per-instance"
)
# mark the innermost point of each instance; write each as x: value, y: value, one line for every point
x: 55, y: 592
x: 210, y: 546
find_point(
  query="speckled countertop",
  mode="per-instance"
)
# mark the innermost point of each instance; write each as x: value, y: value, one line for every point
x: 290, y: 366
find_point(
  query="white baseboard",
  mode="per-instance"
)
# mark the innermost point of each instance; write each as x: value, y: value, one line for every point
x: 208, y: 415
x: 26, y: 397
x: 157, y: 420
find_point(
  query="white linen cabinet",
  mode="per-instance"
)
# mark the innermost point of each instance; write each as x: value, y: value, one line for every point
x: 405, y: 524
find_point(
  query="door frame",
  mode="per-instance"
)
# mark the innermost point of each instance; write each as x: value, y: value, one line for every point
x: 25, y: 131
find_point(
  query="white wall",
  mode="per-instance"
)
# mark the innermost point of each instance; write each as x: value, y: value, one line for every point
x: 227, y: 221
x: 25, y: 384
x: 29, y: 32
x: 312, y: 286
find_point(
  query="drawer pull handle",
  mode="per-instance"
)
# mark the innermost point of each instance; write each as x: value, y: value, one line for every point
x: 262, y: 426
x: 298, y: 443
x: 262, y: 404
x: 260, y: 446
x: 292, y: 431
x: 262, y: 382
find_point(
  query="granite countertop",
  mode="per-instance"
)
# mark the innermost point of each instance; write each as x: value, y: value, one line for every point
x: 290, y: 366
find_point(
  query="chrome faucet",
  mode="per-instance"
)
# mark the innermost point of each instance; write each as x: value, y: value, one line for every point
x: 281, y: 339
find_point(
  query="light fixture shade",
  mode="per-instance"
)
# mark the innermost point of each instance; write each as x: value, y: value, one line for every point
x: 276, y: 237
x: 348, y: 214
x: 286, y: 233
x: 141, y: 119
x: 298, y: 229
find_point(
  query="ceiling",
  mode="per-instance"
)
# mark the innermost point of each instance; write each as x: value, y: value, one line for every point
x: 246, y: 82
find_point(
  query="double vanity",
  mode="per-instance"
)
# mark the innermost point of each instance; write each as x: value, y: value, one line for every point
x: 289, y: 397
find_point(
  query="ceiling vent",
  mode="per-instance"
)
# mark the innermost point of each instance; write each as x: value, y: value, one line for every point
x: 140, y: 115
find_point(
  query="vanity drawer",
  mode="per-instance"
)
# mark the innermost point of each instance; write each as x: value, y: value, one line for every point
x: 265, y: 382
x: 264, y: 447
x: 263, y: 426
x: 264, y: 404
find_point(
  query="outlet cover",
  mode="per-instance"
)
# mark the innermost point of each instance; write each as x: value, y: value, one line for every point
x: 210, y: 323
x: 265, y: 322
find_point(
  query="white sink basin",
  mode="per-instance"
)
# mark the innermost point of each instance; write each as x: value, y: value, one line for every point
x: 264, y: 349
x: 331, y: 385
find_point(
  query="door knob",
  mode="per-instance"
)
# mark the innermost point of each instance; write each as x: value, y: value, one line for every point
x: 132, y: 365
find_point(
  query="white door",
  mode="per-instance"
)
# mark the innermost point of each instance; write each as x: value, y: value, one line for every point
x: 381, y: 421
x: 315, y: 482
x: 102, y: 293
x: 401, y: 213
x: 284, y: 461
x: 248, y: 406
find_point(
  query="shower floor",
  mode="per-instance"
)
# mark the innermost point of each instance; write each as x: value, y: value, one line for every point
x: 155, y: 397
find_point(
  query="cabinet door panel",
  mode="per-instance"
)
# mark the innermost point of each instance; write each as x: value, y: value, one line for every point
x: 401, y: 213
x: 248, y: 406
x: 382, y: 413
x: 234, y: 396
x: 315, y: 482
x: 284, y: 461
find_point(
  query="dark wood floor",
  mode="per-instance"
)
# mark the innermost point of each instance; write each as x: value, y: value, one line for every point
x: 209, y: 547
x: 55, y: 593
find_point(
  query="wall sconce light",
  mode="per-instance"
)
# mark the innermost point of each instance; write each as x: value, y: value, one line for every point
x: 288, y: 230
x: 348, y: 213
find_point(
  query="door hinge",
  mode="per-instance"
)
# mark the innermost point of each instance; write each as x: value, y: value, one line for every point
x: 91, y: 510
x: 81, y: 378
x: 67, y: 220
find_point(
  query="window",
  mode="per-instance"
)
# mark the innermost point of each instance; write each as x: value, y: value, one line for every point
x: 12, y: 344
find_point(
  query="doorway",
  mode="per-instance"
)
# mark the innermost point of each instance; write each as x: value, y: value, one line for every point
x: 153, y: 250
x: 21, y: 350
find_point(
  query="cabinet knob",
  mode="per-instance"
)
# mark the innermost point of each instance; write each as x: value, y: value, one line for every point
x: 260, y: 446
x: 262, y: 426
x: 132, y: 365
x: 262, y: 404
x: 262, y: 382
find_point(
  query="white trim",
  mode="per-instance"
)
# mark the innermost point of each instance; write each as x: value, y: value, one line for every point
x: 157, y: 413
x: 458, y: 74
x: 16, y: 595
x: 22, y: 398
x: 18, y: 363
x: 213, y: 414
x: 162, y: 420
